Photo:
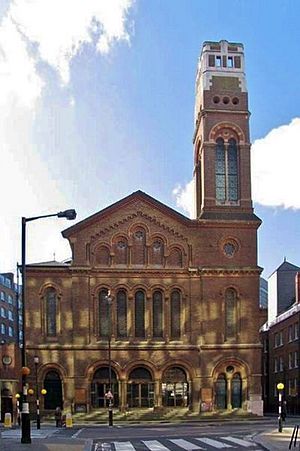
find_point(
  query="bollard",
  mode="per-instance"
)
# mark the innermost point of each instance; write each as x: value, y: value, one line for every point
x: 69, y: 420
x: 7, y: 420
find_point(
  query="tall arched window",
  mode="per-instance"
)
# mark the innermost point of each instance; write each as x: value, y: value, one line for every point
x: 175, y: 314
x: 220, y: 170
x: 51, y: 312
x: 122, y: 314
x: 157, y: 252
x: 230, y: 313
x: 104, y: 312
x: 138, y: 256
x: 226, y: 170
x: 102, y: 256
x: 157, y: 314
x: 139, y: 330
x: 121, y: 251
x: 232, y: 170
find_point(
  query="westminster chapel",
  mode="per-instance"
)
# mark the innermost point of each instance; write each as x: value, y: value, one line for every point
x: 160, y: 309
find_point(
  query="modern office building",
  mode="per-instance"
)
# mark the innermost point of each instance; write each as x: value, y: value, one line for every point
x: 170, y: 304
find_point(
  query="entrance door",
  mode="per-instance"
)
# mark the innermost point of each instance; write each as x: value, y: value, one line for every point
x: 53, y: 397
x: 100, y: 387
x: 236, y: 391
x: 221, y: 392
x: 6, y: 404
x: 140, y: 389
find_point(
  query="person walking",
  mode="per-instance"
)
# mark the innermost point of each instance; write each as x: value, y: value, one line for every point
x: 58, y: 417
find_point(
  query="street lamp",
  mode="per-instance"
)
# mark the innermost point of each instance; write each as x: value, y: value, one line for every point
x: 38, y: 419
x: 280, y: 388
x: 25, y: 436
x: 109, y: 394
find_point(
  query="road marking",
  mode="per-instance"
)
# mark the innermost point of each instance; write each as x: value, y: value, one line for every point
x: 239, y: 441
x: 211, y: 442
x: 123, y: 446
x: 77, y: 433
x: 184, y: 444
x: 154, y: 445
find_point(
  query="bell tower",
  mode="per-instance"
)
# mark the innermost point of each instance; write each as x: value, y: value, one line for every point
x: 221, y: 137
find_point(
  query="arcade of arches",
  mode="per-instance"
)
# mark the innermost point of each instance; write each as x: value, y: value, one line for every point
x: 142, y: 389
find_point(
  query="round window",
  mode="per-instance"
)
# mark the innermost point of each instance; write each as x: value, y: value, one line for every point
x: 216, y: 99
x: 226, y: 100
x: 229, y: 248
x: 235, y: 101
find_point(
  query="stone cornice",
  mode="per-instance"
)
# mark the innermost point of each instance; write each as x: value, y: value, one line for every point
x: 115, y: 346
x: 225, y: 346
x: 223, y: 271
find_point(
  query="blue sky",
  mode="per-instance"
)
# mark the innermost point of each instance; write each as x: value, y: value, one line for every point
x: 97, y: 101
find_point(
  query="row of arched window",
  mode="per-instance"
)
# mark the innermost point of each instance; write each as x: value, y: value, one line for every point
x: 136, y: 251
x: 118, y: 310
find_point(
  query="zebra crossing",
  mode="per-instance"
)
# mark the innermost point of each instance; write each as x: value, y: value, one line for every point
x: 179, y: 444
x: 35, y: 433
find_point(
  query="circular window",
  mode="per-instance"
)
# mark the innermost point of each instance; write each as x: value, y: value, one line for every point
x: 216, y: 99
x: 226, y: 100
x: 235, y: 101
x: 230, y: 369
x: 230, y: 248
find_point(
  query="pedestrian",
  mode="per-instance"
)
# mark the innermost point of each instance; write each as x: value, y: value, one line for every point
x: 284, y: 410
x: 58, y: 416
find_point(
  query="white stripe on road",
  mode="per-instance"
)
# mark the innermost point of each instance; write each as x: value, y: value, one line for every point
x: 123, y: 446
x: 211, y: 442
x: 239, y: 441
x: 154, y: 445
x: 77, y: 433
x: 188, y: 446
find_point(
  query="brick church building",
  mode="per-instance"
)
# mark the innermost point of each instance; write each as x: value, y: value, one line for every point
x: 182, y: 316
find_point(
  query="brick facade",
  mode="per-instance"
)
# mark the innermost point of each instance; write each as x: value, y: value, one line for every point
x: 196, y: 280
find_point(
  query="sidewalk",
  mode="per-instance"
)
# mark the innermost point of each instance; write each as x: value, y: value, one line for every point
x: 46, y: 445
x: 276, y: 441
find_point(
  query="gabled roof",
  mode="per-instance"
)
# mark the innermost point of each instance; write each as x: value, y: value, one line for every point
x: 50, y: 263
x: 286, y: 266
x: 137, y: 195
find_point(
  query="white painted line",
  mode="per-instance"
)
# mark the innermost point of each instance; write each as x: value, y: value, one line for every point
x: 239, y: 441
x: 123, y: 446
x: 77, y: 433
x: 155, y: 445
x: 211, y: 442
x: 184, y: 444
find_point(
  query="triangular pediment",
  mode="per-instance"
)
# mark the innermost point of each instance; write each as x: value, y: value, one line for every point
x: 136, y: 205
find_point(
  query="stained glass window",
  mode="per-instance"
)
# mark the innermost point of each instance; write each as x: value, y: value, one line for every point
x: 175, y: 314
x: 51, y: 312
x: 121, y: 314
x: 157, y: 314
x: 140, y: 314
x: 103, y: 314
x: 226, y: 170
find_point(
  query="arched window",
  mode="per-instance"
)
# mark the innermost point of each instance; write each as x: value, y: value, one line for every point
x: 232, y: 170
x: 221, y: 392
x: 121, y: 314
x: 121, y: 251
x: 139, y: 247
x: 157, y: 316
x: 230, y: 313
x: 175, y: 314
x: 157, y: 252
x: 175, y: 389
x: 236, y: 391
x: 51, y: 312
x: 226, y: 170
x: 53, y: 397
x: 102, y: 256
x: 139, y: 314
x: 104, y: 314
x: 175, y: 258
x: 100, y: 386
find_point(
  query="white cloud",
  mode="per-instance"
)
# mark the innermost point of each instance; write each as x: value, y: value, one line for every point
x: 275, y: 167
x: 275, y: 162
x: 53, y: 32
x: 185, y: 198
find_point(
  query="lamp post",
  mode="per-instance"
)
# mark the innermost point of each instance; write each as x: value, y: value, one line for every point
x: 38, y: 418
x: 109, y: 394
x: 280, y: 388
x: 26, y: 436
